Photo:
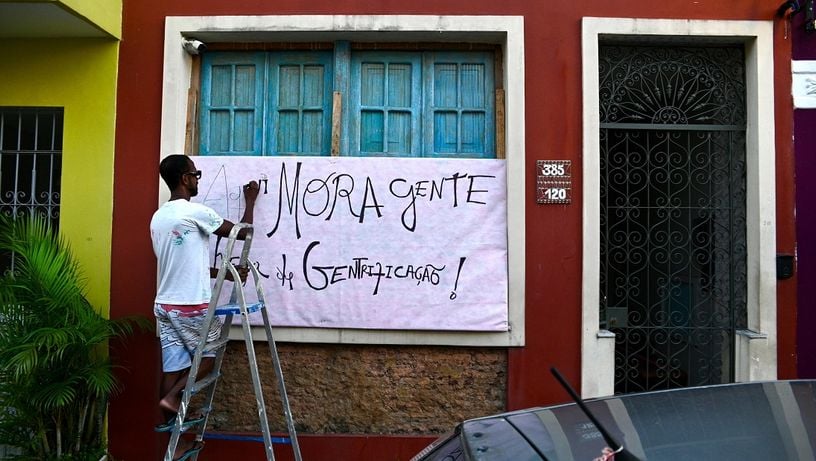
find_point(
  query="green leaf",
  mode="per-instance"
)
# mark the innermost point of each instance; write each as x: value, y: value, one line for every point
x: 55, y: 395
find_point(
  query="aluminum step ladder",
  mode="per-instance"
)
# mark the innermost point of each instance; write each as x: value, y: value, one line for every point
x: 237, y: 305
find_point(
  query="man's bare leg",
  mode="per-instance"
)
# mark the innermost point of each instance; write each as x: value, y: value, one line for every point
x: 169, y: 382
x: 173, y: 384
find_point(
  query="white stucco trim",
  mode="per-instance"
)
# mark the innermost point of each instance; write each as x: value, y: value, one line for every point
x: 507, y: 31
x: 756, y: 351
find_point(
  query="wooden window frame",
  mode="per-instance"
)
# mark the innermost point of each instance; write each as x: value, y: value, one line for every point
x: 345, y: 54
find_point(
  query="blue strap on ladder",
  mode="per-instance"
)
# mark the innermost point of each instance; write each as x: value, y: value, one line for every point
x: 235, y: 309
x: 245, y: 438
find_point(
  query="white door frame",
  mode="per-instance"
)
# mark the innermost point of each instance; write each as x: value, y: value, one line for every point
x: 755, y: 348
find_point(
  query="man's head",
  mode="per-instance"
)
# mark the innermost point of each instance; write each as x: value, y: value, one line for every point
x: 179, y: 171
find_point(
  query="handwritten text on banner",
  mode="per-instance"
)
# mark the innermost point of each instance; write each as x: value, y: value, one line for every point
x: 375, y: 243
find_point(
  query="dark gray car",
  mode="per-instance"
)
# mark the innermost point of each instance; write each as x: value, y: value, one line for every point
x: 747, y: 421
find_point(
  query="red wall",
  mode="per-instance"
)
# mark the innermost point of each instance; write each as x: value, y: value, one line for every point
x: 785, y: 198
x: 553, y: 130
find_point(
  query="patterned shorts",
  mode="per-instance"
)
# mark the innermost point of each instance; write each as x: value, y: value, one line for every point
x: 179, y: 328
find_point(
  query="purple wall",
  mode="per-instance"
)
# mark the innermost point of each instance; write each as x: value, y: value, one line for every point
x: 804, y: 121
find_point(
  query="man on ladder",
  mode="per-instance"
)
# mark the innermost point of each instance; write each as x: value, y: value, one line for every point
x: 180, y: 231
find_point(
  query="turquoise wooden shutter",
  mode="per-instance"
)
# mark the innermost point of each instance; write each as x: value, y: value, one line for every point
x: 300, y: 94
x: 386, y: 104
x: 232, y: 103
x: 459, y: 118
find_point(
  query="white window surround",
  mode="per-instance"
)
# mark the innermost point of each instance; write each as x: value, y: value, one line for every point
x: 507, y: 31
x: 755, y: 348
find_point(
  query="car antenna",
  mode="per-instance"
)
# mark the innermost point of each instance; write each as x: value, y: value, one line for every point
x: 620, y: 453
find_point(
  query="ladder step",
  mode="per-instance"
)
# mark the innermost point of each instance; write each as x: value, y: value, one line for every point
x: 205, y: 381
x: 236, y: 308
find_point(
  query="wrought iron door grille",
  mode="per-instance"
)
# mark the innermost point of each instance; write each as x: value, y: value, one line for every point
x: 673, y: 239
x: 30, y: 164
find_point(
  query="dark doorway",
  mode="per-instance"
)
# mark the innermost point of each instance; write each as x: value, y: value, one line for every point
x: 673, y: 231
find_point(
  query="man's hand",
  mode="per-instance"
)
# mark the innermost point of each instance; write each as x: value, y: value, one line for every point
x: 243, y: 272
x: 251, y: 190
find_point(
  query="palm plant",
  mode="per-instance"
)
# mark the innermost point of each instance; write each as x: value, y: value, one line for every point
x: 55, y: 374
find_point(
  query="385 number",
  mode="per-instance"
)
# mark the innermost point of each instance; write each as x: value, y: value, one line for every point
x: 549, y: 169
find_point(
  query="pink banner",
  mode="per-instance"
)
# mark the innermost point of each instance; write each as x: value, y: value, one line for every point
x: 374, y: 243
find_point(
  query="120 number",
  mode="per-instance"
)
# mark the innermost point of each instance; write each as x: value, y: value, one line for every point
x: 555, y: 194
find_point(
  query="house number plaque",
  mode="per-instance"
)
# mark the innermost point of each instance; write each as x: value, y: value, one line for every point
x: 553, y: 181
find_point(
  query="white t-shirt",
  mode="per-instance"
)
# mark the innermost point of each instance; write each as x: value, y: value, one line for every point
x: 180, y: 231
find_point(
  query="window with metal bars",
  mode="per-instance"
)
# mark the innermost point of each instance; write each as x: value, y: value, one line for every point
x: 30, y: 164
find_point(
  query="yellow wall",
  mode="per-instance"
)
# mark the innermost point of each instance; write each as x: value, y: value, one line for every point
x: 80, y: 76
x: 106, y: 14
